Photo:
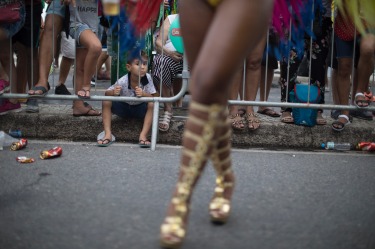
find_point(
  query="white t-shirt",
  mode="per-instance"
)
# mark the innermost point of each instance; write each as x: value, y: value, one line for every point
x: 146, y: 84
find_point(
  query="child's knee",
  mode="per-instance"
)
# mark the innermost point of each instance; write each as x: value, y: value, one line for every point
x: 106, y: 104
x: 150, y: 105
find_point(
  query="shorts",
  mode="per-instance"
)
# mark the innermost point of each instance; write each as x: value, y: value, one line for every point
x: 124, y: 110
x: 56, y: 8
x: 345, y: 49
x: 12, y: 28
x: 68, y: 48
x: 23, y: 36
x: 76, y: 31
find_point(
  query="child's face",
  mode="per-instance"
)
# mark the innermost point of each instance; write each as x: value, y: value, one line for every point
x: 138, y: 67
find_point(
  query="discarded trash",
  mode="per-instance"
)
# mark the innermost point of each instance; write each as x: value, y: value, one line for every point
x: 19, y: 145
x: 23, y: 159
x: 336, y: 146
x: 15, y: 133
x: 54, y: 152
x: 368, y: 146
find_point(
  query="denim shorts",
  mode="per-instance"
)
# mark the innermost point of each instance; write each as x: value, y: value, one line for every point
x: 344, y: 49
x: 12, y: 28
x: 56, y: 8
x: 124, y: 110
x: 76, y: 31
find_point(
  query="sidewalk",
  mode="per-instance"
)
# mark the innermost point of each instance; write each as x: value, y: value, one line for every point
x: 55, y: 121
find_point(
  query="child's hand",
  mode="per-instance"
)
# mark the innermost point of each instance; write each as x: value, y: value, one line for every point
x: 138, y: 91
x: 117, y: 91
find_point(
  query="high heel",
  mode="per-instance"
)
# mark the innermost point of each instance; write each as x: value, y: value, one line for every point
x: 220, y: 205
x: 199, y: 138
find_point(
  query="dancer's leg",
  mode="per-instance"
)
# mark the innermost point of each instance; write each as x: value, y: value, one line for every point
x: 243, y: 22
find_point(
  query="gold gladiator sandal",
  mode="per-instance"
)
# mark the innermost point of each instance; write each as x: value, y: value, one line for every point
x: 199, y: 138
x: 219, y: 207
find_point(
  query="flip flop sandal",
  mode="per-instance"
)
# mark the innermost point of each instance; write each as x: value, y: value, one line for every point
x: 38, y: 88
x: 144, y: 143
x: 96, y: 113
x: 105, y: 142
x: 269, y: 112
x: 84, y: 96
x: 287, y: 119
x: 338, y: 125
x: 320, y: 120
x: 101, y: 136
x: 361, y: 103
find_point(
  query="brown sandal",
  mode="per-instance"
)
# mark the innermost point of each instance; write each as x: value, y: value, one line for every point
x: 237, y: 122
x: 86, y: 94
x: 90, y: 112
x: 253, y: 121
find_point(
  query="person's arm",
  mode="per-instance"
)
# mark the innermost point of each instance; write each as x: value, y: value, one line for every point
x: 113, y: 92
x: 162, y: 39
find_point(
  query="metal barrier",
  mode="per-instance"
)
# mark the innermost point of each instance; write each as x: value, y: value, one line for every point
x: 185, y: 77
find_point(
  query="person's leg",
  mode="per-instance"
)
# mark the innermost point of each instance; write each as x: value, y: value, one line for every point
x: 294, y: 60
x: 147, y: 123
x: 264, y: 91
x: 56, y: 55
x: 65, y: 66
x: 93, y: 48
x: 53, y: 27
x: 236, y: 120
x: 107, y: 64
x: 8, y: 65
x: 165, y: 71
x: 100, y: 74
x: 177, y: 85
x: 207, y: 133
x: 21, y: 67
x: 107, y: 122
x: 343, y: 88
x: 365, y: 69
x: 253, y: 76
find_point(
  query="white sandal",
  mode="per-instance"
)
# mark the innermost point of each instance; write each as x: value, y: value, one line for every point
x: 165, y: 120
x: 364, y: 102
x: 338, y: 125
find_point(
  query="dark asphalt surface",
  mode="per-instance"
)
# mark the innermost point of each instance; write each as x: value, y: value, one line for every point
x: 116, y: 197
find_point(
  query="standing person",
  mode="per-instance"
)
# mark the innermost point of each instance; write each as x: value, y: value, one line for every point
x: 214, y: 59
x: 52, y: 28
x: 7, y: 31
x: 83, y: 28
x: 26, y: 47
x: 48, y: 40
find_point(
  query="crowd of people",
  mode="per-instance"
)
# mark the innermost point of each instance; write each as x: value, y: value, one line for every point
x: 79, y: 35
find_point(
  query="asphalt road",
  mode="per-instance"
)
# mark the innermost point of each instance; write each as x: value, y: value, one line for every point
x: 116, y: 197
